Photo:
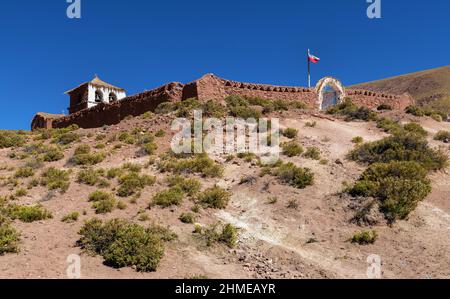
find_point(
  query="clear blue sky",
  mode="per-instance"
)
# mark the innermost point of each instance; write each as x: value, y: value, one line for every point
x: 141, y: 44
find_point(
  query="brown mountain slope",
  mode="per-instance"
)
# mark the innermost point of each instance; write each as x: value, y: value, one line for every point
x: 430, y: 87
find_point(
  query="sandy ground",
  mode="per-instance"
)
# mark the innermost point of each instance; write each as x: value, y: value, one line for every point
x: 274, y: 240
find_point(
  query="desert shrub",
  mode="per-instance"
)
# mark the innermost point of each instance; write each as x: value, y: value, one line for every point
x: 437, y: 117
x: 186, y: 107
x: 24, y: 172
x: 398, y: 185
x: 310, y: 124
x: 123, y: 244
x: 28, y: 214
x: 189, y: 186
x: 21, y: 192
x: 71, y: 217
x: 147, y: 115
x: 292, y: 149
x: 89, y: 177
x: 132, y: 167
x: 405, y: 147
x: 415, y: 129
x: 84, y: 156
x: 187, y: 218
x: 127, y: 138
x: 103, y: 202
x: 115, y: 172
x: 12, y: 139
x: 365, y: 237
x: 214, y: 197
x: 121, y: 205
x: 167, y: 198
x: 160, y: 133
x: 295, y: 176
x: 201, y: 164
x: 165, y: 108
x: 298, y: 105
x: 132, y: 183
x: 240, y: 107
x: 9, y: 238
x: 214, y: 109
x: 389, y: 126
x: 312, y: 153
x: 55, y: 179
x: 52, y: 154
x: 290, y: 133
x: 67, y: 138
x: 358, y: 140
x: 384, y: 107
x: 219, y: 232
x: 414, y: 110
x: 443, y: 136
x: 352, y: 111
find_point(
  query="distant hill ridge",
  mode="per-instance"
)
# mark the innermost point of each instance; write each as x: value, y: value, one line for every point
x: 430, y: 87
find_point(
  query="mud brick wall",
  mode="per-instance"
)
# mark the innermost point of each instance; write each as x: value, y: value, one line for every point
x: 111, y: 114
x: 372, y: 99
x: 211, y: 87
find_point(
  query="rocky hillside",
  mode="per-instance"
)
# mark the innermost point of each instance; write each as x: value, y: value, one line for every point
x: 332, y: 200
x: 431, y: 87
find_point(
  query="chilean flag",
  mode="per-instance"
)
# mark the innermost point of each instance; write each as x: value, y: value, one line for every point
x: 313, y: 58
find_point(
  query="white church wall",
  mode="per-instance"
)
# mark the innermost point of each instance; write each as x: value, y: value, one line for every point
x: 106, y: 91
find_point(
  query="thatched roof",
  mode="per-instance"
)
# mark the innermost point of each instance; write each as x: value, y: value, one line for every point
x: 96, y: 82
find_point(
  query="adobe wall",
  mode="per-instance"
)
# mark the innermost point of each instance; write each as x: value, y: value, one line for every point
x: 209, y: 87
x: 111, y: 114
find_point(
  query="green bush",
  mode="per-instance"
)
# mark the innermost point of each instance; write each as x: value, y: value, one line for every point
x: 214, y: 197
x: 290, y: 133
x: 214, y: 109
x: 241, y: 107
x: 89, y: 177
x: 71, y: 217
x: 127, y: 138
x: 189, y: 186
x: 352, y: 111
x: 28, y: 214
x: 67, y: 138
x: 389, y: 126
x: 21, y: 192
x: 12, y: 139
x: 365, y: 237
x: 84, y: 156
x: 187, y: 218
x: 358, y: 140
x: 415, y: 129
x: 124, y: 244
x: 312, y: 153
x: 24, y: 172
x: 201, y: 164
x: 414, y: 110
x: 443, y: 136
x: 219, y: 233
x: 160, y: 133
x: 103, y: 202
x: 398, y: 185
x: 292, y: 149
x: 406, y: 147
x: 384, y: 107
x: 52, y: 154
x: 165, y: 108
x: 311, y: 124
x: 55, y: 179
x: 295, y: 176
x: 9, y: 238
x: 170, y: 197
x: 132, y: 183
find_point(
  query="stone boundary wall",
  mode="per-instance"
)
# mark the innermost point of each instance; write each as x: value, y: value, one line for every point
x: 209, y: 87
x: 111, y: 114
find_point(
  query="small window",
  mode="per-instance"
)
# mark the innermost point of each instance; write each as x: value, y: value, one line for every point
x: 98, y: 96
x: 112, y: 97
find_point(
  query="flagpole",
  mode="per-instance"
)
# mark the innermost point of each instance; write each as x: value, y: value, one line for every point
x: 309, y: 70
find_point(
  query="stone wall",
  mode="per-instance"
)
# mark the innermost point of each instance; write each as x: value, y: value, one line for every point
x: 209, y: 87
x: 111, y: 114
